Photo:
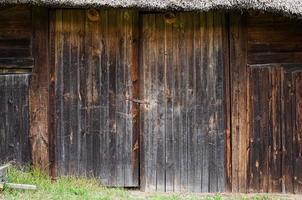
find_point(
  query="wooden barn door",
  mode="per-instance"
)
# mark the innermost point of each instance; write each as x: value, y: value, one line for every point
x: 94, y: 60
x: 182, y: 119
x: 275, y: 100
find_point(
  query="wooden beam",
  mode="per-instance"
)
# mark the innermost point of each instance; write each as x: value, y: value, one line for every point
x: 238, y: 90
x: 39, y: 91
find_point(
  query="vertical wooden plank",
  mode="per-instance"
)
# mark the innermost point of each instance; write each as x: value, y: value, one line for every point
x: 275, y: 148
x: 58, y: 90
x: 159, y: 89
x: 190, y: 98
x: 21, y: 118
x: 176, y: 105
x: 66, y: 98
x: 182, y: 45
x: 151, y: 97
x: 287, y: 133
x: 227, y: 103
x: 81, y: 90
x: 121, y: 114
x: 93, y: 92
x: 297, y: 137
x: 264, y: 135
x: 52, y: 93
x: 199, y: 49
x: 238, y: 90
x: 38, y: 101
x: 104, y: 98
x: 133, y: 71
x: 168, y: 96
x: 204, y: 106
x: 219, y: 18
x: 112, y: 50
x: 144, y: 114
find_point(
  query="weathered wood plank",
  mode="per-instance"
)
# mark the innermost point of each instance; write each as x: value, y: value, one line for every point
x: 38, y: 94
x: 238, y: 76
x: 275, y: 148
x: 287, y: 133
x: 297, y: 135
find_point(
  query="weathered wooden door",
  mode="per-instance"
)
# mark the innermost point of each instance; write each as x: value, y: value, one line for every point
x: 182, y: 119
x: 275, y: 128
x: 93, y: 55
x: 14, y: 115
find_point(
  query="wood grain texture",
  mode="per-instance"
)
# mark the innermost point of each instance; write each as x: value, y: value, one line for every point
x: 238, y: 92
x: 16, y: 37
x: 183, y: 124
x: 38, y: 93
x: 273, y: 39
x: 274, y: 147
x: 14, y: 115
x: 95, y: 81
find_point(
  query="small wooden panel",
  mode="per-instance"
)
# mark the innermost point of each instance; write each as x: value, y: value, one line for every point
x: 182, y: 84
x: 14, y: 118
x: 16, y: 37
x: 94, y: 87
x: 274, y: 39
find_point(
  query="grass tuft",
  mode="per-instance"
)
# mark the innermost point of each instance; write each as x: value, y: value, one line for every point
x: 74, y: 188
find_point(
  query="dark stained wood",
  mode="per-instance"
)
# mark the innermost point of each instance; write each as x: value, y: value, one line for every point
x: 273, y: 39
x: 238, y: 92
x: 265, y: 140
x: 227, y: 105
x: 14, y: 114
x: 16, y: 37
x: 275, y: 128
x: 287, y: 134
x: 38, y: 95
x: 274, y: 147
x: 52, y: 95
x: 183, y: 129
x: 95, y: 80
x: 16, y: 63
x: 297, y: 134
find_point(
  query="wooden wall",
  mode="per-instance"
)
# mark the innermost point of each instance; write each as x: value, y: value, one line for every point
x: 265, y: 103
x: 182, y: 75
x: 94, y: 55
x: 190, y: 94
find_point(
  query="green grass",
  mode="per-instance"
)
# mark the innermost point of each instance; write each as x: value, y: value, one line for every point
x: 84, y: 189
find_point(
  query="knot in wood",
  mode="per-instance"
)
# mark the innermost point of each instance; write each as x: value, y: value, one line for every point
x: 93, y: 15
x: 170, y: 18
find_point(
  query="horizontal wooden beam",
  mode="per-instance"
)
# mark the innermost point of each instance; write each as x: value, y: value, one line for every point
x: 16, y: 63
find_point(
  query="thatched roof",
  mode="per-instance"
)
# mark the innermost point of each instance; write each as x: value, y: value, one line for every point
x: 285, y: 6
